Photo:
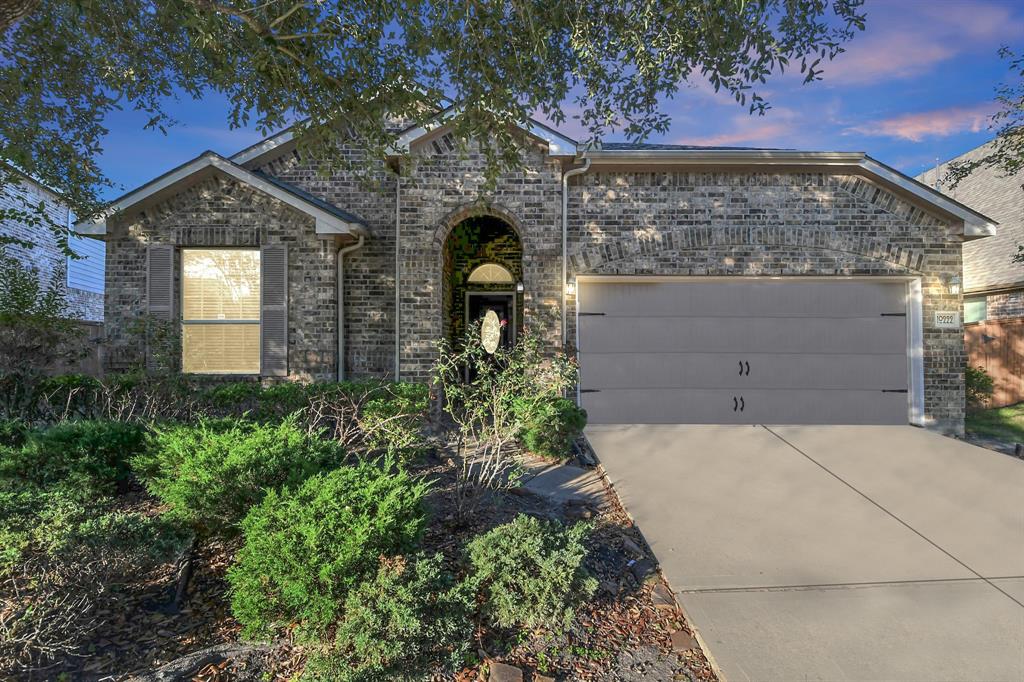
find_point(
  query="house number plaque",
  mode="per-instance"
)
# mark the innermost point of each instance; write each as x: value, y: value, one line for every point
x: 947, y: 320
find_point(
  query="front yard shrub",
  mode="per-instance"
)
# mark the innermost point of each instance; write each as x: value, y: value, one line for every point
x: 91, y: 454
x: 979, y: 387
x: 393, y: 417
x: 551, y: 426
x: 306, y: 548
x: 213, y: 472
x: 479, y: 392
x: 531, y: 572
x: 408, y: 618
x: 13, y: 432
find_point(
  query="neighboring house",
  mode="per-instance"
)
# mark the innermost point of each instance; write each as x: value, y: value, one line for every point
x: 993, y: 283
x: 83, y: 277
x: 698, y: 284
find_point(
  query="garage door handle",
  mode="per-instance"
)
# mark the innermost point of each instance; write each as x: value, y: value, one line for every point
x: 735, y: 404
x: 741, y: 404
x: 742, y: 372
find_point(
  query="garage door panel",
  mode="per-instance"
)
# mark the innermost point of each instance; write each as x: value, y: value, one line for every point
x: 744, y: 370
x: 722, y: 406
x: 604, y: 334
x: 742, y: 351
x: 797, y: 298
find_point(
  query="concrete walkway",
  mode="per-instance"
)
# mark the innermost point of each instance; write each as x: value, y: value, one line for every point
x: 835, y: 552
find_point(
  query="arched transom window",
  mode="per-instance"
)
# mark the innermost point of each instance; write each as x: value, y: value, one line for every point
x: 490, y: 273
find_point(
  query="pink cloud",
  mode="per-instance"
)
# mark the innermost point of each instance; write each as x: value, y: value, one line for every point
x: 937, y: 123
x: 768, y: 130
x: 907, y: 40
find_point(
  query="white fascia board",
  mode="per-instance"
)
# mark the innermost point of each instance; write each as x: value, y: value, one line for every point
x: 326, y: 223
x: 266, y: 146
x: 558, y: 144
x: 975, y: 224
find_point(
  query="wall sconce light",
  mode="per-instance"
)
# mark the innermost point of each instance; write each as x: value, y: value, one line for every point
x: 520, y: 288
x: 952, y: 283
x: 570, y: 288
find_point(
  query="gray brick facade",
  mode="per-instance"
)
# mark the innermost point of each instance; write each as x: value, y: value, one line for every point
x: 671, y: 222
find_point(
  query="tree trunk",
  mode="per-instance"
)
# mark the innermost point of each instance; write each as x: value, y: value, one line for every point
x: 13, y: 11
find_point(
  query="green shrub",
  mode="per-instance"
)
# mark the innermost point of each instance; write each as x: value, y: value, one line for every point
x: 406, y: 619
x: 394, y: 418
x: 148, y: 539
x: 62, y: 521
x: 305, y: 549
x: 13, y: 432
x: 90, y: 454
x: 213, y: 472
x: 531, y: 572
x: 550, y: 426
x: 979, y: 387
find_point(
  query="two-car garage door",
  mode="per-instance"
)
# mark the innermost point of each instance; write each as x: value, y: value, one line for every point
x: 729, y: 351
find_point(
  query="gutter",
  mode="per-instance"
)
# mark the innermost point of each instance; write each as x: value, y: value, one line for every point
x: 398, y: 275
x: 565, y: 235
x: 342, y: 252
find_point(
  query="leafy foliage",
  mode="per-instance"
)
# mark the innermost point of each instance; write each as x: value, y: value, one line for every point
x: 89, y: 455
x: 978, y: 387
x: 212, y: 473
x: 404, y: 620
x: 13, y: 432
x: 385, y: 65
x: 551, y: 427
x: 531, y: 572
x: 485, y: 395
x: 34, y: 333
x: 1007, y: 151
x: 306, y: 548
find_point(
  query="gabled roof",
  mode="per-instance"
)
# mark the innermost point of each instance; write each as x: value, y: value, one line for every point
x: 329, y: 218
x: 558, y: 144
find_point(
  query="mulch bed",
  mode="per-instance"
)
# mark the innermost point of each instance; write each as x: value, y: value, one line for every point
x: 625, y: 633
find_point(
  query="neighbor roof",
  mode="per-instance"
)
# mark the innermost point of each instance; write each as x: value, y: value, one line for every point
x: 329, y: 218
x: 988, y: 263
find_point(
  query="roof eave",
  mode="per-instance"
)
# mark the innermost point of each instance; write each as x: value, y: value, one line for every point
x: 326, y: 223
x: 976, y: 225
x: 558, y: 144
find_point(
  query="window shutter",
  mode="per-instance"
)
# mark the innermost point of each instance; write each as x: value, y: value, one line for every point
x: 160, y: 281
x: 274, y: 310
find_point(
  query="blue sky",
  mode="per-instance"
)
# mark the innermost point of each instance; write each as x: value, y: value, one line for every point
x: 915, y: 86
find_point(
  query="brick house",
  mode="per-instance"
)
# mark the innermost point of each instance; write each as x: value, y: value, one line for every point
x: 697, y: 284
x: 82, y: 276
x: 993, y: 283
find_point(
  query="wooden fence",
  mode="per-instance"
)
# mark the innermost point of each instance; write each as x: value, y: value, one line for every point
x: 998, y: 347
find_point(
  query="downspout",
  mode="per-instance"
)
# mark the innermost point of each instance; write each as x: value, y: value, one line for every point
x: 398, y: 276
x: 565, y: 236
x: 342, y: 252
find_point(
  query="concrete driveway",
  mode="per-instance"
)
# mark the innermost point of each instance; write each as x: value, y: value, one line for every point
x: 833, y: 552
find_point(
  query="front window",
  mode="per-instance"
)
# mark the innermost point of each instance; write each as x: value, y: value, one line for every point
x: 975, y: 309
x: 220, y: 304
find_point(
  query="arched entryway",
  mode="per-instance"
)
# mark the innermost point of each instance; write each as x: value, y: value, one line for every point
x: 482, y: 270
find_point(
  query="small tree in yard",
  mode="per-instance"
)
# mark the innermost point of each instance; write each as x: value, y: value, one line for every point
x: 479, y: 392
x: 35, y: 335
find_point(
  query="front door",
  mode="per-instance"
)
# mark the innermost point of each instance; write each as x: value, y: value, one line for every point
x: 503, y: 305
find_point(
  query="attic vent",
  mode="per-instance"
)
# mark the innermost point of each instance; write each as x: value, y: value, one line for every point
x: 444, y: 144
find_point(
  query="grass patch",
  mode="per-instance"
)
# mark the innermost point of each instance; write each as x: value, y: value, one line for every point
x: 1002, y: 423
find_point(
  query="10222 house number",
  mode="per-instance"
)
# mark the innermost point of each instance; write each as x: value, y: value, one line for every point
x: 947, y: 320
